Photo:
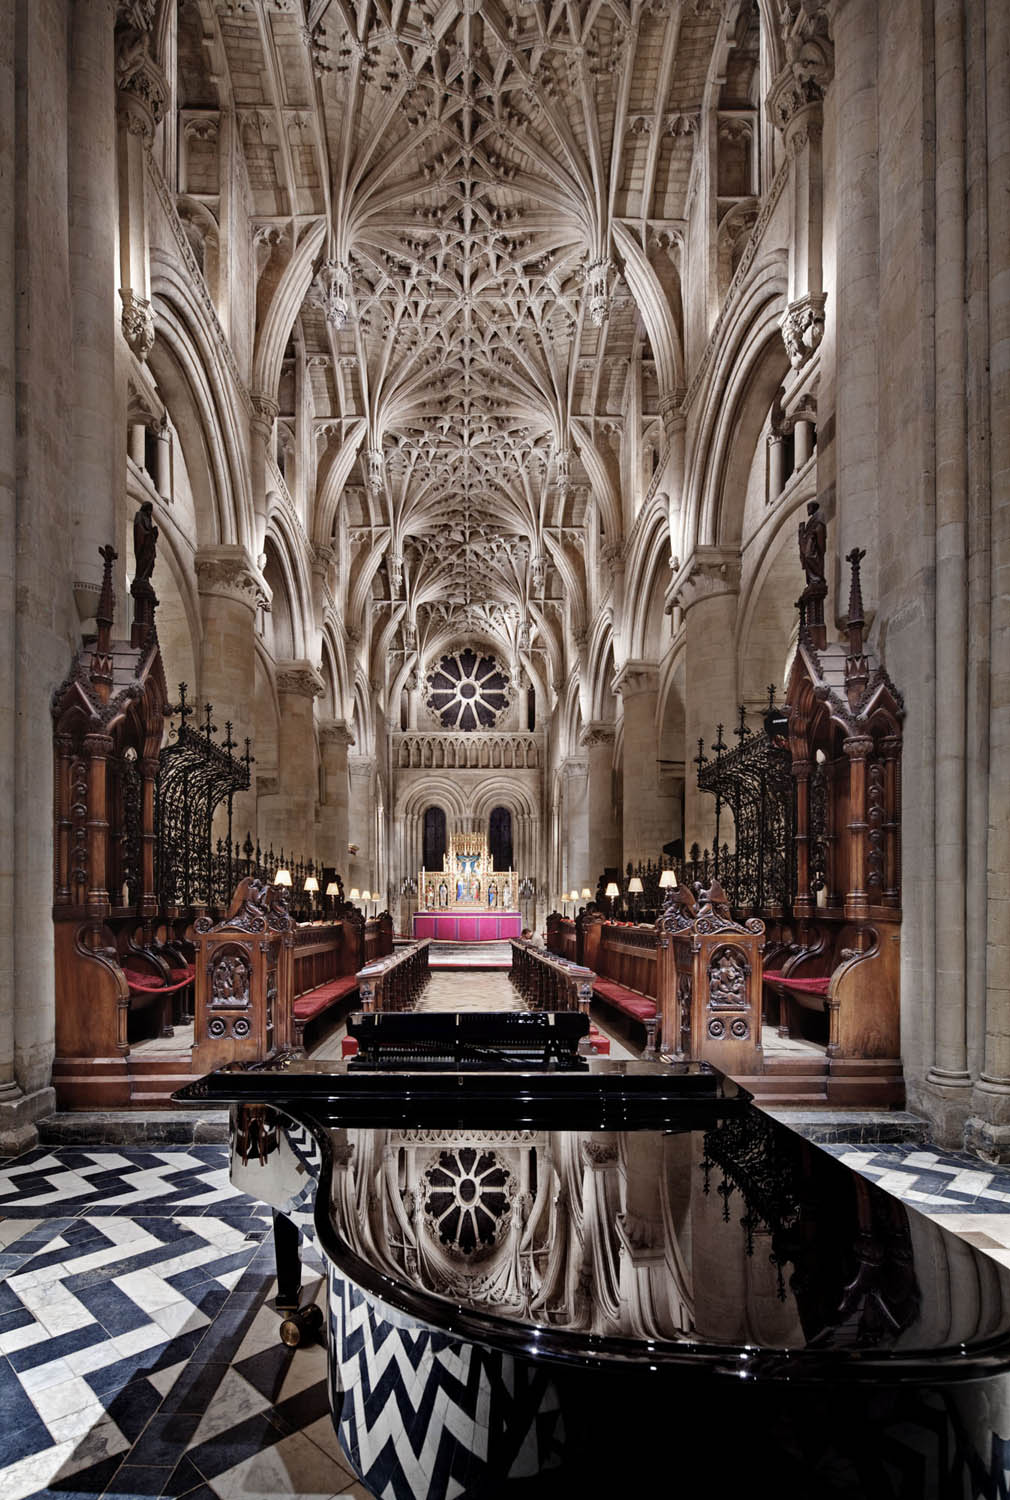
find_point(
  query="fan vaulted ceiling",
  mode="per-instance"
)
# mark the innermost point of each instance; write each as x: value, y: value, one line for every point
x: 487, y: 199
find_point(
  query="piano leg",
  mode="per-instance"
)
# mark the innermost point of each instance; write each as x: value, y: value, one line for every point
x: 300, y: 1324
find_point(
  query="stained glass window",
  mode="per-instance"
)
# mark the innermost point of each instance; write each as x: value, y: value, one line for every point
x: 468, y: 691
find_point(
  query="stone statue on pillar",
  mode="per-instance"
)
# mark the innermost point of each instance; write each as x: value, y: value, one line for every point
x: 813, y: 544
x: 145, y: 548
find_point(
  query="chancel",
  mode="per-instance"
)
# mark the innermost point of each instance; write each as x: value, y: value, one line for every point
x: 505, y: 643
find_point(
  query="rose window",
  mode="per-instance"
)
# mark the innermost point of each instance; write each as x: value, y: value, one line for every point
x: 467, y: 691
x: 468, y: 1199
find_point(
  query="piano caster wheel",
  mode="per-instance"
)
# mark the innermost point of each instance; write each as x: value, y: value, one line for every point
x: 301, y: 1325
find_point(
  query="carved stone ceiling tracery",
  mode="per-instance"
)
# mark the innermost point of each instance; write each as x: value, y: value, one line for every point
x: 473, y: 162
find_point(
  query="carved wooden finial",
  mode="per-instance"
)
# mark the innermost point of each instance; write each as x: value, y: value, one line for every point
x: 857, y: 668
x: 105, y: 614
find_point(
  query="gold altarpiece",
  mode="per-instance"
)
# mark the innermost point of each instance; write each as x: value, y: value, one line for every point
x: 468, y: 880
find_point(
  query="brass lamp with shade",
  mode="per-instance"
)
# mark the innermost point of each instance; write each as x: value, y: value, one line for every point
x: 311, y: 886
x: 667, y: 882
x: 612, y: 892
x: 355, y: 894
x: 575, y: 900
x: 635, y: 890
x: 366, y: 897
x: 332, y: 891
x: 587, y: 894
x: 283, y: 877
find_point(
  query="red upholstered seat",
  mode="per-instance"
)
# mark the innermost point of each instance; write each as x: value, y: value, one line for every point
x: 183, y: 973
x: 314, y: 1002
x: 630, y: 1001
x: 150, y: 984
x: 805, y: 986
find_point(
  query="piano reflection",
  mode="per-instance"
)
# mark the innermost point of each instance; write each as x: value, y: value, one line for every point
x: 559, y: 1280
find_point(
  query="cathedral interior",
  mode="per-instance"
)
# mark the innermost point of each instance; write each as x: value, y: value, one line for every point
x: 507, y: 510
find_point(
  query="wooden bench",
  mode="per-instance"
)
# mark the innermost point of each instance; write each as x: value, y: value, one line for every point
x: 395, y: 982
x: 847, y: 972
x: 547, y: 981
x: 324, y: 969
x: 561, y: 936
x: 624, y: 960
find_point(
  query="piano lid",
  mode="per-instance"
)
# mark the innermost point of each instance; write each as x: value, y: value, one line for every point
x: 716, y: 1240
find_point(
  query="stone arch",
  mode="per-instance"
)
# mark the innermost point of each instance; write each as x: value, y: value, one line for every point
x: 197, y: 387
x: 767, y: 620
x: 280, y: 626
x: 733, y: 412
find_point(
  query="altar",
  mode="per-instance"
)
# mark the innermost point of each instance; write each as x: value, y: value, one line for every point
x: 467, y: 927
x: 468, y: 900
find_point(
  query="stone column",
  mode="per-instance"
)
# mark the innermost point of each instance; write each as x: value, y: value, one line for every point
x: 141, y: 101
x: 706, y: 589
x: 646, y: 826
x: 360, y: 823
x: 576, y: 831
x: 298, y: 686
x: 229, y: 593
x: 39, y: 621
x: 795, y: 103
x: 335, y: 737
x: 604, y: 849
x: 96, y: 418
x: 857, y: 262
x: 990, y: 1128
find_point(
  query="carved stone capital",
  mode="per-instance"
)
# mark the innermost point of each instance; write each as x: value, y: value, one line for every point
x: 810, y: 61
x: 142, y: 86
x: 300, y: 678
x: 596, y: 733
x: 335, y: 732
x: 705, y: 574
x: 636, y: 677
x: 803, y: 327
x: 228, y: 572
x: 137, y: 323
x: 266, y: 410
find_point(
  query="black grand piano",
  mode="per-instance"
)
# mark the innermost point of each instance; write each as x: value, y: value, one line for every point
x: 561, y: 1279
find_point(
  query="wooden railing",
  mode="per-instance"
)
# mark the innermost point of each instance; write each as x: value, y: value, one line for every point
x: 547, y: 982
x: 397, y: 981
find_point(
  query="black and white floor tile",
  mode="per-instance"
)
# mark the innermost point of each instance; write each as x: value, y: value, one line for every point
x: 139, y: 1352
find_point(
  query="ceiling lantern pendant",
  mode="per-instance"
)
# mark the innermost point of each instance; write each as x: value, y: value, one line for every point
x: 598, y: 283
x: 331, y: 291
x: 376, y: 470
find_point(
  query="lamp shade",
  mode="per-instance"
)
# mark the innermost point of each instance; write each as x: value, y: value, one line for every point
x: 333, y: 889
x: 587, y: 894
x: 366, y: 895
x: 355, y: 894
x: 283, y: 877
x: 634, y: 886
x: 311, y: 883
x: 667, y: 879
x: 574, y: 895
x: 612, y: 890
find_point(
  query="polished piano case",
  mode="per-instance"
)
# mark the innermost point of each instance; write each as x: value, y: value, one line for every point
x: 559, y: 1282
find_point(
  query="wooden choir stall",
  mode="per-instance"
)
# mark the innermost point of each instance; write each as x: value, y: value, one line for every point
x: 159, y: 925
x: 798, y: 924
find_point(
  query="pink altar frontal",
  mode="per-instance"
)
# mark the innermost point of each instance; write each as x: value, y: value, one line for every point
x: 467, y: 927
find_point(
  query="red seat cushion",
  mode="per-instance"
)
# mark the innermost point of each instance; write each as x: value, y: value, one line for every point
x: 313, y: 1002
x: 630, y: 1001
x: 805, y: 986
x: 150, y: 984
